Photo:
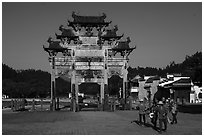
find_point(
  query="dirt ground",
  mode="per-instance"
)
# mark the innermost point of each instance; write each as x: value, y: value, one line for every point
x: 91, y: 123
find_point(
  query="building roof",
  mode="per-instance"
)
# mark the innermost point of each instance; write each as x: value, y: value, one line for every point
x: 66, y: 36
x: 182, y: 82
x: 110, y: 33
x: 68, y: 33
x: 88, y: 20
x: 124, y: 45
x: 177, y: 82
x: 167, y: 83
x: 53, y: 46
x: 151, y: 79
x: 109, y: 36
x: 136, y: 79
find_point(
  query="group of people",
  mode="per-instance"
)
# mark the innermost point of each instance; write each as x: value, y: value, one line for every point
x: 159, y: 110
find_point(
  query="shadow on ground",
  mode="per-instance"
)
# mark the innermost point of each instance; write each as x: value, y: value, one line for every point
x: 146, y: 125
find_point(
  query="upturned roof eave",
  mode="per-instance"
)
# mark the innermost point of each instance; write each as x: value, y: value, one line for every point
x: 71, y: 23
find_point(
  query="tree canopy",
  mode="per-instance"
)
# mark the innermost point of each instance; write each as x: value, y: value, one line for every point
x: 191, y: 66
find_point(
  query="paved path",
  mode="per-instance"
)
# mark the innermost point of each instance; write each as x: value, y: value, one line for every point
x: 91, y: 123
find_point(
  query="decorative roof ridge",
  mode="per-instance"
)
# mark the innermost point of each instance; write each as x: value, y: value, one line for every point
x: 88, y: 19
x: 123, y: 44
x: 54, y: 44
x: 110, y: 32
x: 127, y: 41
x: 74, y: 15
x: 66, y: 32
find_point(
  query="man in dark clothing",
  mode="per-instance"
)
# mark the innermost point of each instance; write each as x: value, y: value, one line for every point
x: 163, y: 100
x: 174, y: 113
x: 142, y: 109
x: 155, y: 115
x: 122, y: 102
x: 162, y: 115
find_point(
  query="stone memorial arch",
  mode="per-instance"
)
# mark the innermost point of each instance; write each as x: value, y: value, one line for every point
x: 89, y: 47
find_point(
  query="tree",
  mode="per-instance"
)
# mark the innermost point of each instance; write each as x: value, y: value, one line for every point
x: 8, y: 87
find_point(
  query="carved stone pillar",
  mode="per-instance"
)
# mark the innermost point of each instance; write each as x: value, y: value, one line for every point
x: 102, y: 94
x: 125, y: 72
x: 53, y: 84
x: 105, y: 81
x: 105, y: 74
x: 124, y: 82
x: 73, y: 83
x: 73, y: 89
x: 76, y: 93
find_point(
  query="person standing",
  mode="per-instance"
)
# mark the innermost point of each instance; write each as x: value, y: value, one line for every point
x: 174, y: 113
x: 168, y: 107
x: 162, y: 114
x: 122, y: 102
x: 155, y: 114
x: 142, y: 109
x: 163, y: 100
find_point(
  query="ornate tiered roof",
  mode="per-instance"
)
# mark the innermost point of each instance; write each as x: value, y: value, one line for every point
x: 124, y: 46
x: 66, y: 33
x: 110, y: 34
x: 88, y: 20
x: 53, y: 46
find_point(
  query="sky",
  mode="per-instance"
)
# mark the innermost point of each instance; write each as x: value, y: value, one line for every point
x: 163, y: 32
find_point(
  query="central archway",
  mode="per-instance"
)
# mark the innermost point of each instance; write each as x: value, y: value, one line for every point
x: 89, y: 95
x: 115, y: 84
x: 89, y: 88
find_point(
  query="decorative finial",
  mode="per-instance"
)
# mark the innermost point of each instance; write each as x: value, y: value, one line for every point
x: 116, y: 27
x: 73, y: 14
x: 61, y: 27
x: 104, y: 15
x: 49, y: 39
x: 128, y: 40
